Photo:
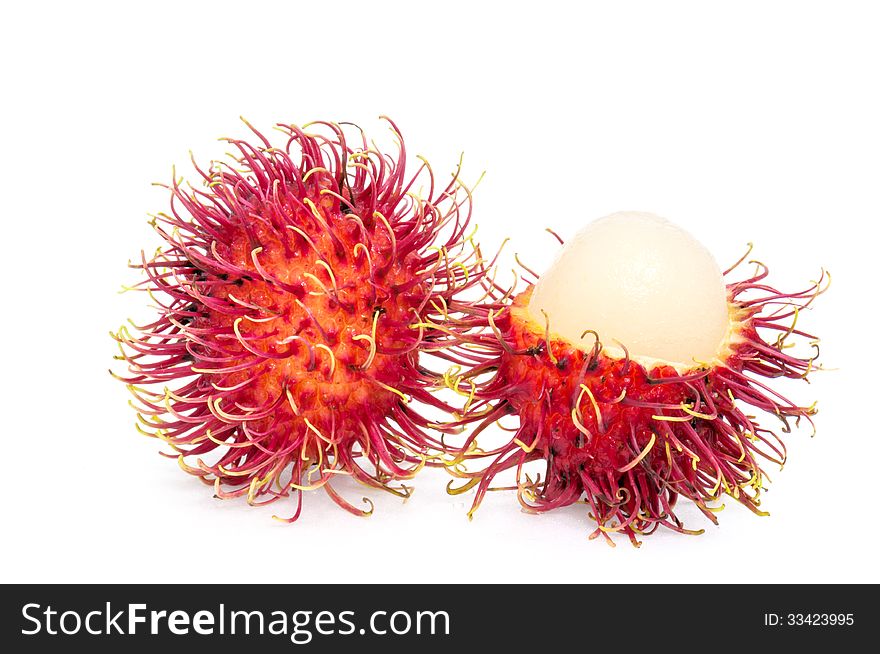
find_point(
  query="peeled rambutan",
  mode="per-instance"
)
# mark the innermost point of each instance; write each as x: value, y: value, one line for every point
x: 631, y: 366
x: 297, y: 291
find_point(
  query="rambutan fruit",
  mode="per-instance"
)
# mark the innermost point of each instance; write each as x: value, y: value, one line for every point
x: 632, y: 368
x: 297, y: 290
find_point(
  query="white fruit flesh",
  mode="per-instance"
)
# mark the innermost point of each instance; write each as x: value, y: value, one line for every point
x: 638, y: 279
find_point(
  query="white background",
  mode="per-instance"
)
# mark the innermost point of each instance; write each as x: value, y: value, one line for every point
x: 739, y: 121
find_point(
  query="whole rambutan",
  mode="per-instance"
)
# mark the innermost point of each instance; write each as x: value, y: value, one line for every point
x: 632, y: 366
x: 297, y: 291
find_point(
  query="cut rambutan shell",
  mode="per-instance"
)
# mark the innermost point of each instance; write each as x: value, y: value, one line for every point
x: 629, y: 434
x: 297, y: 291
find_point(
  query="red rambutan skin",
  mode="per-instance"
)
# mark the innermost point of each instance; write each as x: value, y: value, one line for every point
x: 629, y: 440
x: 296, y: 293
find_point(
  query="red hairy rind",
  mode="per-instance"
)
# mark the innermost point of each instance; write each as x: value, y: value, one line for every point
x: 629, y: 440
x: 296, y: 291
